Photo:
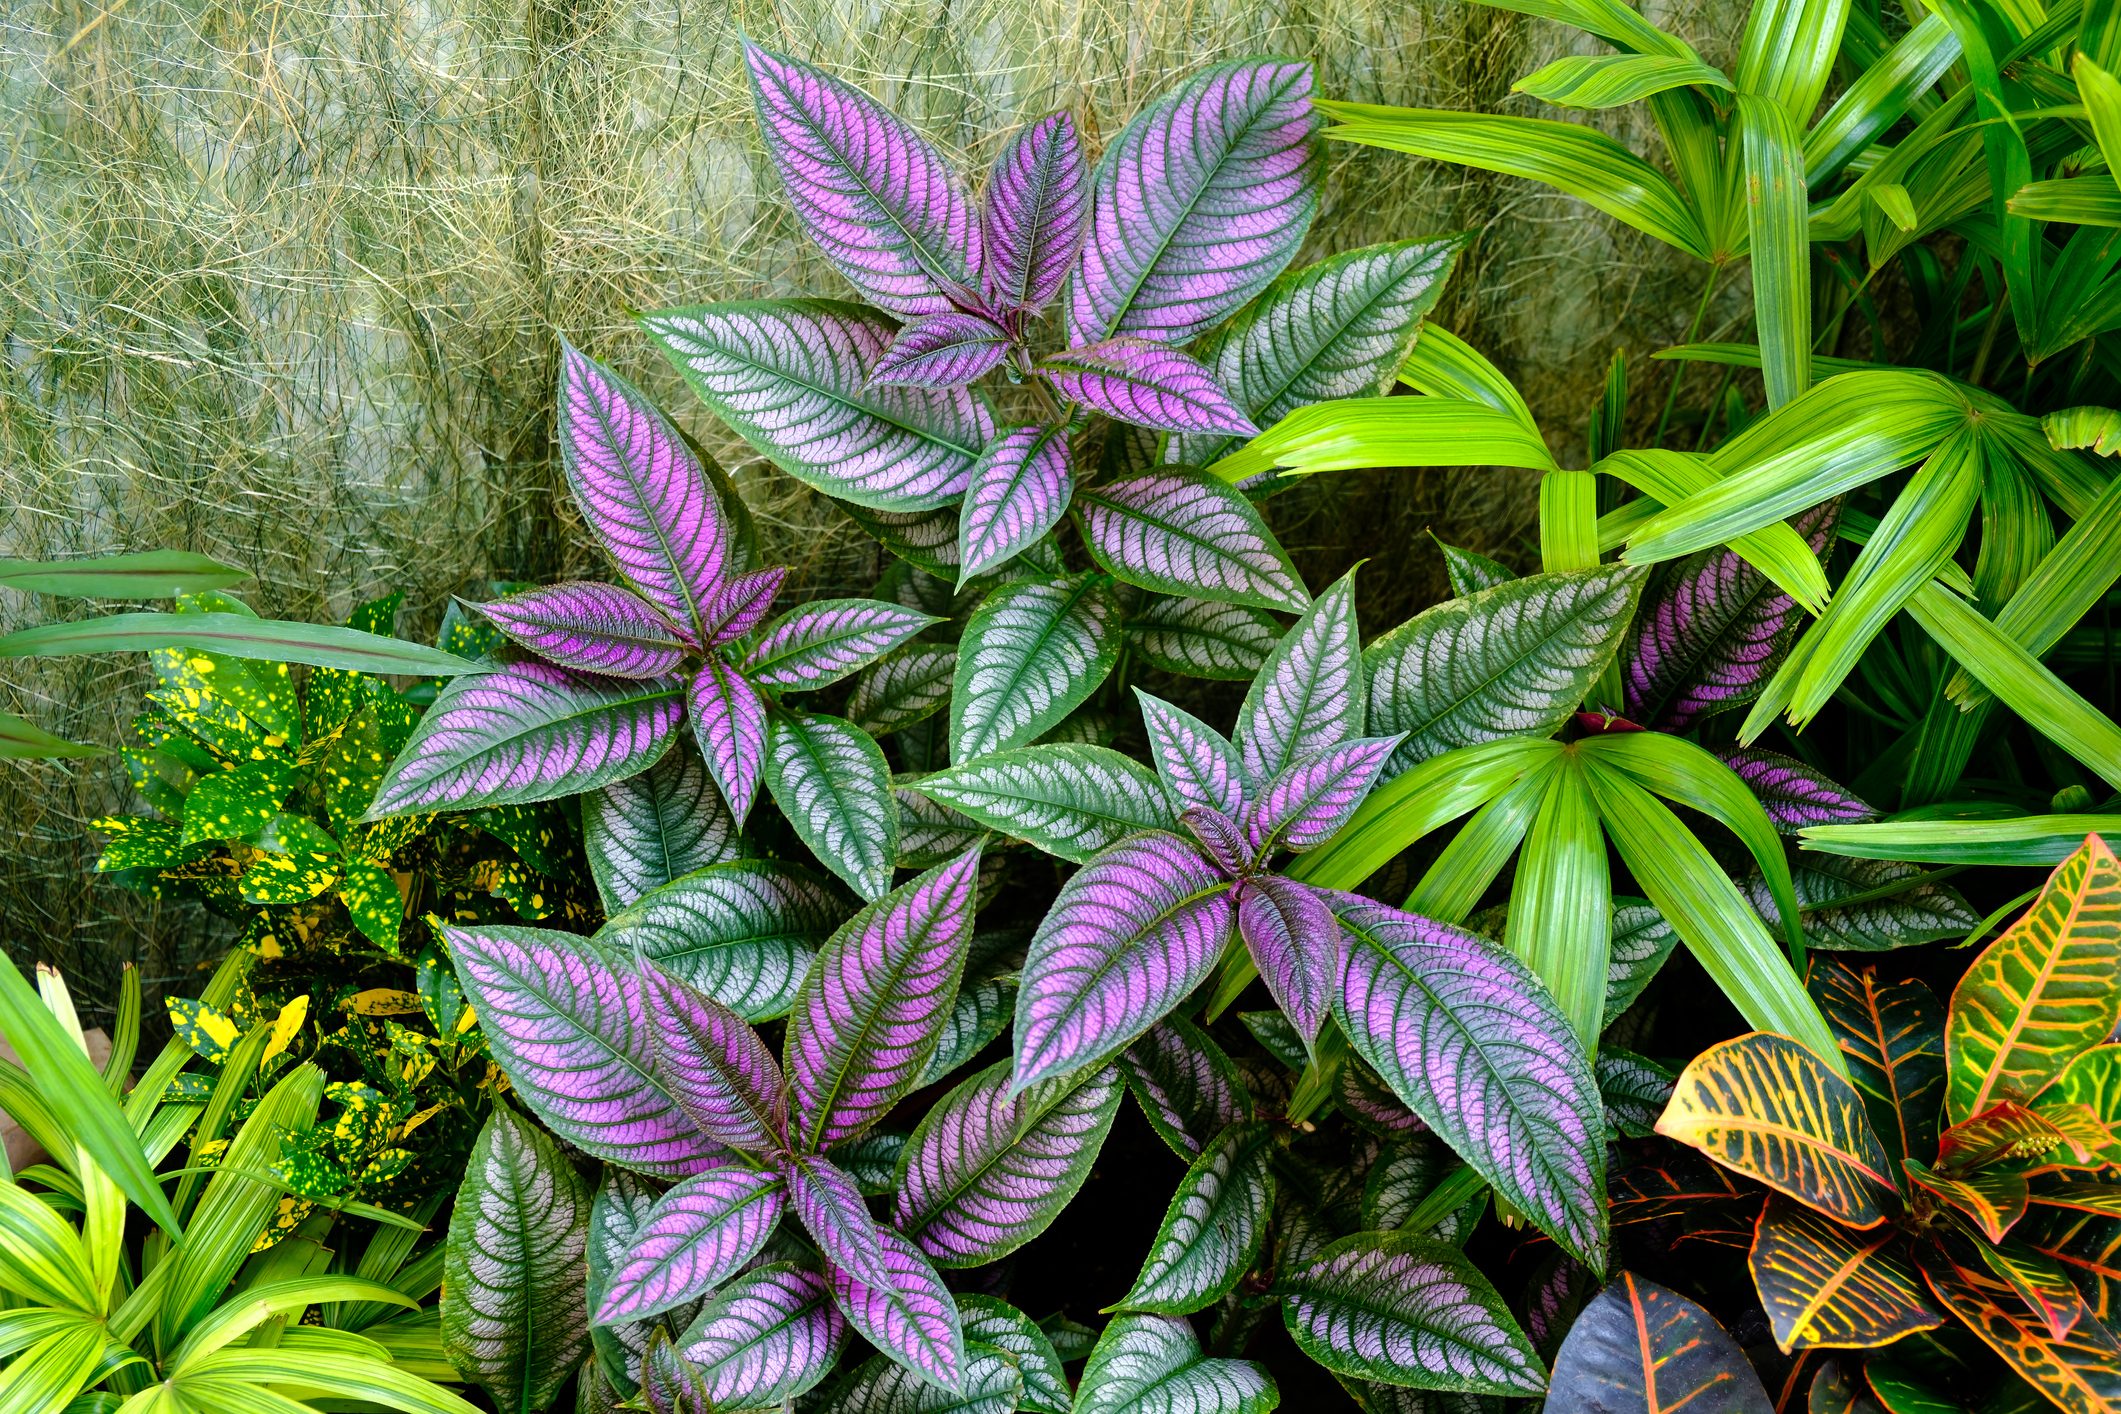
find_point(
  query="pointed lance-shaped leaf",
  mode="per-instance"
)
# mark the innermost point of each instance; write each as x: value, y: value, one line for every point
x: 514, y: 1309
x: 697, y: 1236
x: 598, y: 628
x: 992, y: 1384
x: 1213, y: 1229
x: 1866, y: 905
x: 1768, y: 1108
x: 1823, y: 1285
x: 743, y: 932
x: 569, y: 1029
x: 986, y: 1172
x: 1316, y: 793
x: 1146, y: 1364
x: 1290, y: 930
x: 1071, y: 801
x: 743, y: 604
x: 2043, y: 993
x: 1512, y: 660
x: 1203, y: 639
x: 1147, y: 384
x: 993, y: 1322
x: 1180, y: 531
x: 1034, y: 214
x: 1198, y: 204
x: 901, y: 688
x: 729, y: 727
x: 1892, y: 1036
x: 826, y: 639
x: 642, y: 491
x: 881, y: 203
x: 1019, y: 490
x: 905, y: 1311
x: 1310, y: 694
x: 1134, y: 931
x: 1641, y: 944
x: 1467, y: 1037
x: 1032, y: 653
x: 865, y: 1021
x: 832, y: 782
x: 1794, y: 795
x: 1219, y: 838
x: 1639, y: 1346
x: 1407, y: 1310
x: 792, y: 379
x: 714, y: 1066
x: 1197, y: 764
x: 767, y: 1336
x: 527, y: 732
x: 942, y: 351
x: 1188, y: 1087
x: 623, y: 1202
x: 644, y: 831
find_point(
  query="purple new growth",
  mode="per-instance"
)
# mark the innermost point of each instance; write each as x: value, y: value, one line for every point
x: 1034, y: 216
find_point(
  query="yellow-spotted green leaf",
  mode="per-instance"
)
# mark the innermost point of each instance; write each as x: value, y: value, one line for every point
x: 2042, y: 994
x: 1768, y: 1108
x: 1822, y: 1285
x: 1639, y: 1347
x: 1992, y: 1201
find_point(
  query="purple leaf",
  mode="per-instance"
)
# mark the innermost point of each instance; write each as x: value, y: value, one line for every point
x: 1198, y: 204
x: 942, y: 351
x: 834, y: 786
x: 697, y: 1236
x: 714, y: 1066
x: 599, y: 628
x: 1187, y: 1086
x: 767, y: 1336
x: 1363, y: 1097
x: 1148, y: 385
x: 1219, y: 837
x: 1792, y: 793
x: 985, y: 1173
x: 1019, y: 490
x: 865, y: 1021
x: 791, y: 378
x: 1034, y: 215
x: 729, y: 726
x: 1309, y: 696
x: 1470, y: 1040
x: 829, y: 1205
x: 641, y: 490
x: 742, y: 604
x: 1126, y: 939
x: 907, y: 1313
x: 623, y: 1202
x: 1197, y: 763
x: 1292, y: 934
x: 883, y: 204
x: 527, y: 732
x: 1711, y: 632
x: 1179, y: 531
x: 826, y: 639
x: 570, y: 1032
x: 1316, y: 794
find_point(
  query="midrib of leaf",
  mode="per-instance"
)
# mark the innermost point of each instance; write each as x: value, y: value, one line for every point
x: 1836, y: 1280
x: 1043, y: 187
x: 890, y: 983
x: 662, y: 538
x: 1888, y: 1061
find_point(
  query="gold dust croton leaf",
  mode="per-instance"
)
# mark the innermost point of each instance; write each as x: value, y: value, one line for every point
x: 295, y: 860
x: 374, y: 903
x: 209, y: 1033
x: 2041, y: 995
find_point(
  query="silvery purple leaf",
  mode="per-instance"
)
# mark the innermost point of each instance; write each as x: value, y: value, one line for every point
x: 729, y: 727
x: 864, y: 1023
x: 1468, y: 1038
x: 1148, y: 385
x: 670, y: 1384
x: 1034, y: 214
x: 942, y: 351
x: 598, y: 628
x: 642, y: 491
x: 714, y: 1066
x: 1292, y: 934
x: 527, y: 732
x: 1187, y: 1086
x: 1865, y: 905
x: 1309, y: 696
x: 829, y: 1205
x: 1203, y: 639
x: 1126, y: 939
x: 1147, y: 1364
x: 1711, y: 631
x: 743, y: 932
x: 623, y: 1202
x: 646, y: 830
x: 1019, y: 490
x: 1792, y: 793
x: 833, y: 784
x: 992, y: 1384
x: 1219, y: 837
x: 1032, y: 653
x: 569, y: 1030
x: 792, y: 378
x: 1198, y: 204
x: 1365, y: 1099
x: 907, y: 1312
x: 1316, y: 794
x: 1179, y: 531
x: 1213, y: 1230
x: 742, y: 604
x: 1196, y: 763
x: 767, y: 1336
x: 826, y: 639
x: 697, y: 1235
x: 985, y: 1173
x: 878, y: 199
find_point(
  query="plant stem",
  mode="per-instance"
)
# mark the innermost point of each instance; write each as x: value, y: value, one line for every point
x: 1693, y: 331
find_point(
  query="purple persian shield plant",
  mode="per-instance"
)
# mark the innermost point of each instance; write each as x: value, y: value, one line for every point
x: 1033, y: 216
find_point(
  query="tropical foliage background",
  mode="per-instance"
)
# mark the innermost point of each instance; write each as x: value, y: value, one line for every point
x: 1682, y: 964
